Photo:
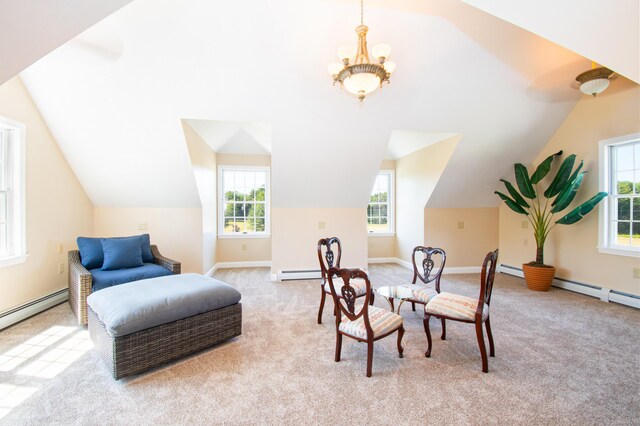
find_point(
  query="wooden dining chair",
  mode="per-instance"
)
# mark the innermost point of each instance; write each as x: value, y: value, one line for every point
x: 329, y: 255
x: 365, y: 323
x: 467, y: 309
x: 428, y: 264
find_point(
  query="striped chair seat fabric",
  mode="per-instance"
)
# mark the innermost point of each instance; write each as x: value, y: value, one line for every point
x: 455, y: 306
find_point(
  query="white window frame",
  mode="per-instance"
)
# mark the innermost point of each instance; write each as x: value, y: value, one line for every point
x: 606, y: 243
x: 391, y: 207
x: 267, y: 198
x: 16, y: 216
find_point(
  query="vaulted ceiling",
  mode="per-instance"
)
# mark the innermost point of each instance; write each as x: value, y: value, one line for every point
x: 114, y: 97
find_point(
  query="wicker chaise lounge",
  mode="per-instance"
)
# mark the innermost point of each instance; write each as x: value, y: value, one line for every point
x: 144, y: 324
x: 81, y: 282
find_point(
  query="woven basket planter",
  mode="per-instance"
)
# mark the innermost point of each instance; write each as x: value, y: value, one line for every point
x: 538, y: 278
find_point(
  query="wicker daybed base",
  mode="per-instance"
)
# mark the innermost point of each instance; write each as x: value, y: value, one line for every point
x: 145, y: 349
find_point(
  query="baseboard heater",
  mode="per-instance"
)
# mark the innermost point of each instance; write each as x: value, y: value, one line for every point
x: 309, y: 274
x: 602, y: 293
x: 29, y: 309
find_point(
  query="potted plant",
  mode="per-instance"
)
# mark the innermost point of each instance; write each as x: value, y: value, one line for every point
x: 541, y: 207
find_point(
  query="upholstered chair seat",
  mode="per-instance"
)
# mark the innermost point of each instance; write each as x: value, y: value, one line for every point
x: 382, y: 322
x: 455, y: 306
x: 359, y: 285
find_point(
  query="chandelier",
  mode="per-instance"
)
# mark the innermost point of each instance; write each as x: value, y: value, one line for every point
x: 357, y: 73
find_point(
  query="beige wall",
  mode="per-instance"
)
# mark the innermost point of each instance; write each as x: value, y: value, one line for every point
x: 296, y: 232
x: 573, y: 248
x: 57, y: 208
x: 176, y: 231
x: 416, y: 177
x: 238, y: 249
x: 203, y: 161
x: 466, y: 246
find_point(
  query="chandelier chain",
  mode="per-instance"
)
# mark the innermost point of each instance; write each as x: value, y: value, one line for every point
x: 361, y: 12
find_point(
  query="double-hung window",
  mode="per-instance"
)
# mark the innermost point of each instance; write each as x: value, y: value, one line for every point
x: 380, y: 209
x: 244, y: 201
x: 620, y: 177
x: 12, y: 210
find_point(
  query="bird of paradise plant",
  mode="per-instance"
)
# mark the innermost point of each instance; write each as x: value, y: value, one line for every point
x: 557, y: 197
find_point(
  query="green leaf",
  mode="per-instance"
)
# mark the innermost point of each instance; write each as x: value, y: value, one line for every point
x: 561, y: 178
x: 524, y: 184
x: 565, y: 198
x: 512, y: 204
x: 573, y: 177
x: 581, y: 211
x: 515, y: 194
x: 543, y: 168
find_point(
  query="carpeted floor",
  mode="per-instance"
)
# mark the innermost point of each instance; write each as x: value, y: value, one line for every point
x: 561, y: 358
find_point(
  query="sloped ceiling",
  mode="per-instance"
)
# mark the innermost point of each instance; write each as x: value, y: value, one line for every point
x: 605, y: 32
x: 29, y: 29
x: 118, y: 118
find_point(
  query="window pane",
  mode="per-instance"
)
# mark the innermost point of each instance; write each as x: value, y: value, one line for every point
x: 383, y: 221
x: 260, y: 180
x: 624, y: 183
x: 635, y: 236
x: 3, y: 208
x: 259, y: 210
x: 229, y: 195
x: 375, y: 197
x: 228, y: 209
x: 624, y: 157
x: 240, y: 225
x: 250, y: 225
x: 623, y: 233
x: 260, y: 227
x: 382, y: 182
x: 260, y: 194
x: 375, y: 210
x: 636, y: 208
x: 229, y: 225
x: 624, y: 209
x: 375, y: 221
x: 383, y: 197
x: 227, y: 178
x: 383, y: 210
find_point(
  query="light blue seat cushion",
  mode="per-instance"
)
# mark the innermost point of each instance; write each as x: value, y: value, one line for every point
x: 103, y: 279
x: 131, y: 307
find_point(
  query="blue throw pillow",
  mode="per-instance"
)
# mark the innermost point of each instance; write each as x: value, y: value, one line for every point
x: 91, y: 255
x: 145, y: 246
x: 120, y: 253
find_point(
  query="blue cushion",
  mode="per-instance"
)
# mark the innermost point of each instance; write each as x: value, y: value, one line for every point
x: 127, y: 308
x: 91, y: 255
x: 121, y: 253
x: 145, y: 246
x: 103, y: 279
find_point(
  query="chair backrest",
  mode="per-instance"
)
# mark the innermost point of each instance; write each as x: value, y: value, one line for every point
x: 428, y: 263
x: 486, y: 279
x: 329, y: 254
x: 344, y: 295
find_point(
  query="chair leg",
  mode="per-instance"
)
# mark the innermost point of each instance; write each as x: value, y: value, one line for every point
x: 491, y: 348
x: 444, y: 329
x: 369, y: 357
x: 338, y: 346
x: 483, y: 350
x: 393, y: 309
x: 324, y: 295
x: 372, y: 298
x: 413, y: 306
x: 425, y: 321
x: 400, y: 334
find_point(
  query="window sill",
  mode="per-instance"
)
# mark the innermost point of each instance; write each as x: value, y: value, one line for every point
x: 619, y: 251
x: 240, y: 236
x: 381, y: 234
x: 13, y: 260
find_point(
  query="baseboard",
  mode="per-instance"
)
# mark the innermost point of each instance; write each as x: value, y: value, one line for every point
x: 602, y: 293
x: 230, y: 265
x: 34, y: 307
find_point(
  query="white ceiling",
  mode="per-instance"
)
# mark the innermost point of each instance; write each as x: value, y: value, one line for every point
x: 115, y: 104
x: 29, y: 29
x: 231, y: 137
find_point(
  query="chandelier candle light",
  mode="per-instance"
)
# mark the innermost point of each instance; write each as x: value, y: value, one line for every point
x: 357, y: 73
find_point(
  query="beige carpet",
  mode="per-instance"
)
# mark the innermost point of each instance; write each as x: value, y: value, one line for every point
x: 561, y: 358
